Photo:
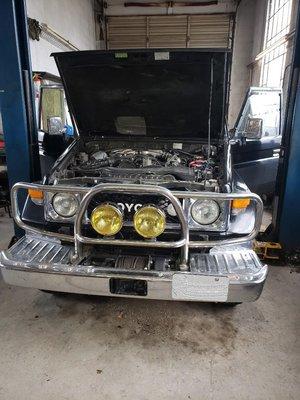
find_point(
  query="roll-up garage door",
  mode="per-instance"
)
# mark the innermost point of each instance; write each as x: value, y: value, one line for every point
x: 170, y: 31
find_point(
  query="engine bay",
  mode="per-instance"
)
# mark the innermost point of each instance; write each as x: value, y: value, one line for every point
x: 197, y: 168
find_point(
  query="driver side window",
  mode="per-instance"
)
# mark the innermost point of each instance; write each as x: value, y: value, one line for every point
x: 261, y: 115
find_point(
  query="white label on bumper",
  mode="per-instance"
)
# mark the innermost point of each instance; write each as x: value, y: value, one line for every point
x: 199, y: 287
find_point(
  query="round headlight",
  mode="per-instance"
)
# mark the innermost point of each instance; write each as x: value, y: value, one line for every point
x: 149, y: 222
x: 65, y: 204
x: 205, y: 212
x: 107, y: 219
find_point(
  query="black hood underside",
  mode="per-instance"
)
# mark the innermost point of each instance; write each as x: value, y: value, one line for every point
x: 152, y: 93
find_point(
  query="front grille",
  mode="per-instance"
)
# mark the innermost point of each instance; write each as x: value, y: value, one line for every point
x: 130, y: 203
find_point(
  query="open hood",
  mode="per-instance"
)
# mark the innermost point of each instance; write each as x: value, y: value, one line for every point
x: 153, y: 93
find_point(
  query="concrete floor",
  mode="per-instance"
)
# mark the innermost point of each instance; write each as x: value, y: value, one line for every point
x: 80, y: 347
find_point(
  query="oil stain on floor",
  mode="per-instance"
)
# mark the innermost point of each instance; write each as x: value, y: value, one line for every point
x: 200, y: 328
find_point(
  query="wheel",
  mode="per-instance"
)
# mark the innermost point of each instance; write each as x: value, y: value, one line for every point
x: 231, y: 304
x: 228, y: 305
x: 54, y: 292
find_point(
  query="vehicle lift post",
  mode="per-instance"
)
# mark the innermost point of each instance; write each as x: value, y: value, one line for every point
x: 16, y: 96
x: 287, y: 221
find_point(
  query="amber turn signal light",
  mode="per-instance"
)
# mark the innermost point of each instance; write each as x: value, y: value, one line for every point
x: 240, y: 203
x: 35, y: 194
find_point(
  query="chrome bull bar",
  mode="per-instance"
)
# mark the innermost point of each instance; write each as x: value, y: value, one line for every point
x: 184, y: 243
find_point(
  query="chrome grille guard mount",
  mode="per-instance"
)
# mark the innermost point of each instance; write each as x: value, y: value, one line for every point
x: 184, y: 243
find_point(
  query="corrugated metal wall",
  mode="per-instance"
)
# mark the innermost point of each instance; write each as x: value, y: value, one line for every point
x: 170, y: 31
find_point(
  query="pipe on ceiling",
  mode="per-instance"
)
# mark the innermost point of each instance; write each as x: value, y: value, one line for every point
x: 172, y: 4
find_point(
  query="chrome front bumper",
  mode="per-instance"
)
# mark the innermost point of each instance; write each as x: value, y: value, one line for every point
x: 184, y: 243
x: 226, y: 274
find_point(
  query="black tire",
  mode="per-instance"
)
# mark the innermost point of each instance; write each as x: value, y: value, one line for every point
x: 231, y: 304
x: 227, y: 305
x: 54, y: 292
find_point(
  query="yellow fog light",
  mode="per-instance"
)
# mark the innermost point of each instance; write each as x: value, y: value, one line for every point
x: 149, y: 222
x: 107, y: 219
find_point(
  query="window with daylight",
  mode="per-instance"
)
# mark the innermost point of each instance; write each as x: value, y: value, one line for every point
x: 275, y: 46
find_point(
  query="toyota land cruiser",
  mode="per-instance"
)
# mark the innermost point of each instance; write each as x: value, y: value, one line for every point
x: 144, y: 202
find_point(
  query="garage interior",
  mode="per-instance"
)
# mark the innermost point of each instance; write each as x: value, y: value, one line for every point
x: 71, y: 346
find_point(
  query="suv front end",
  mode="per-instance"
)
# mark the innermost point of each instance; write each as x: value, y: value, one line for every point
x: 144, y: 202
x: 222, y: 270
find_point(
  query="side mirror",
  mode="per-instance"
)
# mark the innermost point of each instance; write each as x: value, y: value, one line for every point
x: 253, y: 128
x: 55, y: 126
